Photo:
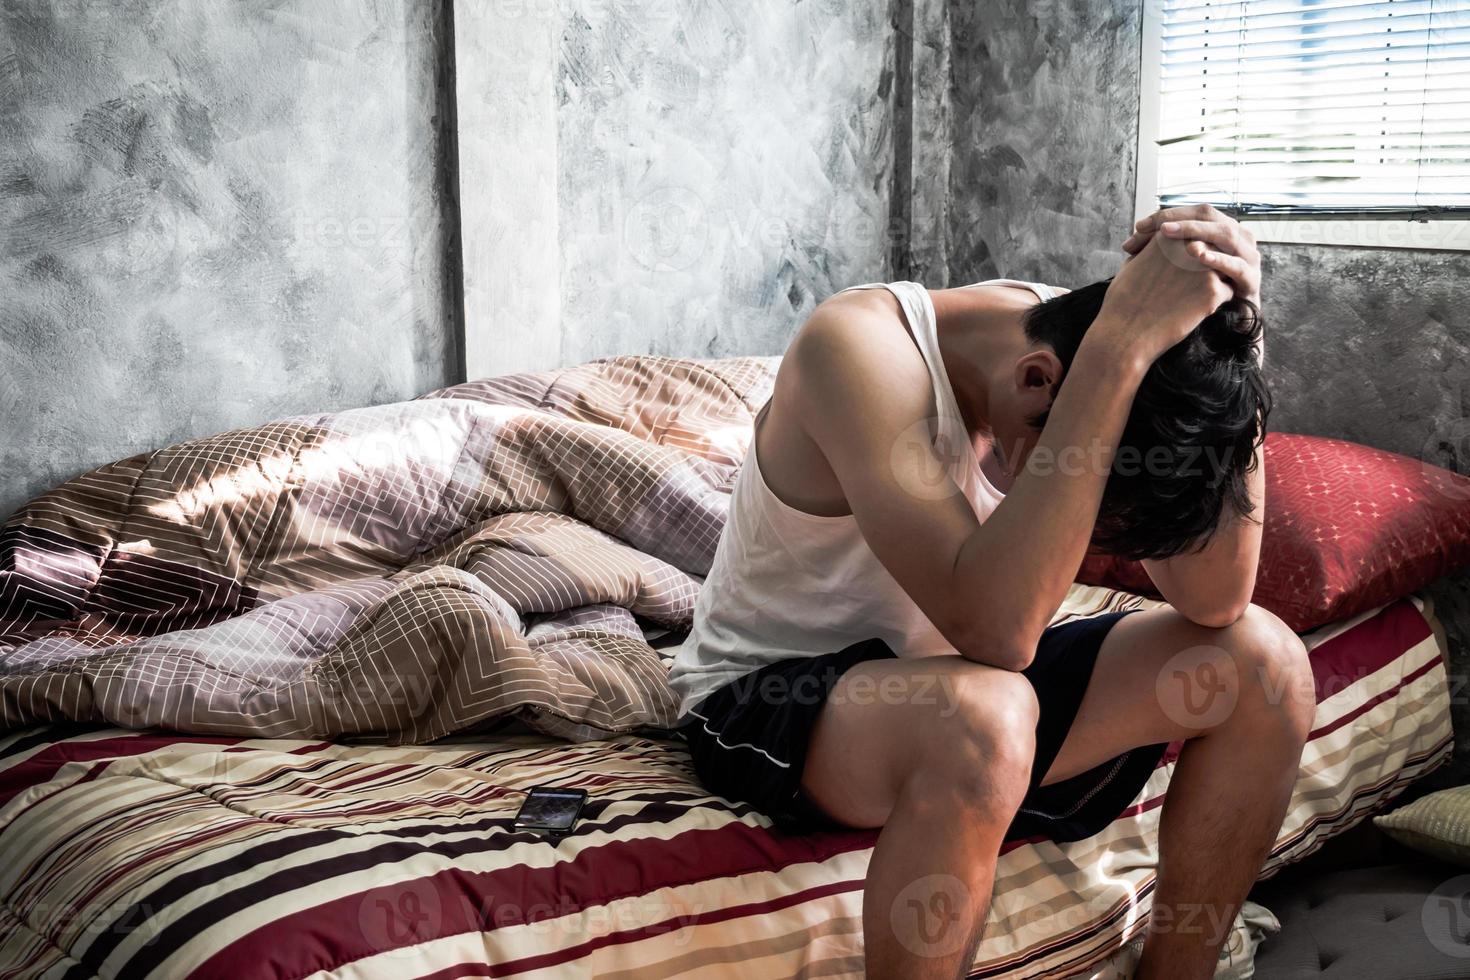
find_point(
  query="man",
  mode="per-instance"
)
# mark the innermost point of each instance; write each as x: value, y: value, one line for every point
x: 872, y: 649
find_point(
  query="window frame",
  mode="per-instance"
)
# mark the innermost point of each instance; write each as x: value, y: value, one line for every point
x: 1442, y: 232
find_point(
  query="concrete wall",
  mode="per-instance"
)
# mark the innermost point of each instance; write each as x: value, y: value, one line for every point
x: 1044, y: 107
x: 212, y: 215
x: 720, y: 167
x: 218, y: 214
x: 505, y: 77
x: 215, y: 215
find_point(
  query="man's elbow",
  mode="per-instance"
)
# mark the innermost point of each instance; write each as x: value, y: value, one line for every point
x: 1008, y: 649
x: 1217, y: 614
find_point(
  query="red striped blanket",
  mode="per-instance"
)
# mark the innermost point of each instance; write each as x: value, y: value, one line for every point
x: 151, y: 855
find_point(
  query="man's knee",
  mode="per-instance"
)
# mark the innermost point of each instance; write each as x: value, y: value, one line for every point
x: 980, y: 742
x: 1272, y: 664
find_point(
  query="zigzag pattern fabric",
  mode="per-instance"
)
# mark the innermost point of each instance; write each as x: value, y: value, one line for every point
x: 408, y: 570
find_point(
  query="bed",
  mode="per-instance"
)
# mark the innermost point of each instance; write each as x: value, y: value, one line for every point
x: 270, y: 701
x: 136, y: 854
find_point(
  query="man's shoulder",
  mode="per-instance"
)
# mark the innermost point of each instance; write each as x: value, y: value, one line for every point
x: 856, y: 337
x: 853, y: 374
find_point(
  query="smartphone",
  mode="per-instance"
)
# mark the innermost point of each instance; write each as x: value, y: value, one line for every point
x: 551, y: 809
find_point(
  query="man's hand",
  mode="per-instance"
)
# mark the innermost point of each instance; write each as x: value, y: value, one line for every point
x: 1154, y: 302
x: 1213, y: 586
x: 1216, y: 240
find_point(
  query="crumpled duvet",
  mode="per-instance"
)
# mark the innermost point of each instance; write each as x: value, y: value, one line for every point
x: 490, y: 550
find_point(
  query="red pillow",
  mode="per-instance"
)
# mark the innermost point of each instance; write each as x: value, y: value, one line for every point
x: 1348, y: 528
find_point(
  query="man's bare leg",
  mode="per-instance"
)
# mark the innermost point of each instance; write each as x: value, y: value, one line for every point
x: 1243, y: 697
x: 937, y: 752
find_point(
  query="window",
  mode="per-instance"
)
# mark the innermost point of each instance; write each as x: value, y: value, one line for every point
x: 1332, y: 121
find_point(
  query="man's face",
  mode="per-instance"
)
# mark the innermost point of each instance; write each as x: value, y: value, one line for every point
x: 1021, y: 394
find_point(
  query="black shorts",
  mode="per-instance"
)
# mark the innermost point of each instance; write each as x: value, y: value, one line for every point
x: 749, y: 738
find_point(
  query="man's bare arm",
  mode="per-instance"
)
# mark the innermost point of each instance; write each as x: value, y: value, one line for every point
x: 1213, y: 586
x: 991, y: 588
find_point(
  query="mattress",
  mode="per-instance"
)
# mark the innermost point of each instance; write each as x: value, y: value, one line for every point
x: 150, y: 854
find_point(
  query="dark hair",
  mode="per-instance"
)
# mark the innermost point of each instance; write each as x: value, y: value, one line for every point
x: 1190, y: 439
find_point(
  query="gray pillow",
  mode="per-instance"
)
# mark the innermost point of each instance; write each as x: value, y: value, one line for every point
x: 1437, y: 825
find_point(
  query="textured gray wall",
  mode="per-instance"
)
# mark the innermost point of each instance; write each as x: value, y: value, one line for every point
x: 724, y: 167
x: 721, y: 167
x: 213, y: 215
x: 925, y: 251
x: 505, y: 80
x: 1366, y: 344
x: 1044, y: 124
x: 1372, y: 345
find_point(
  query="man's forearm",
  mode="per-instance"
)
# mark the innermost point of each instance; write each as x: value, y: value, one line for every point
x: 1041, y: 530
x: 1213, y: 586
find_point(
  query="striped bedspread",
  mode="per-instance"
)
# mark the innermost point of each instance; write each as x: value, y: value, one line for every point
x: 137, y: 854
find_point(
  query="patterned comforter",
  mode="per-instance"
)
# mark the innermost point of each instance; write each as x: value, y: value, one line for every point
x: 410, y: 570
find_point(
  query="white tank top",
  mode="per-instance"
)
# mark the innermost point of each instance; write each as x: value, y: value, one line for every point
x: 785, y: 583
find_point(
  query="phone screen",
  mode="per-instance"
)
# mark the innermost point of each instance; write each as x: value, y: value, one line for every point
x: 551, y: 808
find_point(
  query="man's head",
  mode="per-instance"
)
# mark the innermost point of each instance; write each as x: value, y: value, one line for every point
x: 1189, y: 443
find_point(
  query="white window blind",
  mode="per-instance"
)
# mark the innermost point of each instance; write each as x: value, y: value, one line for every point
x: 1319, y: 106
